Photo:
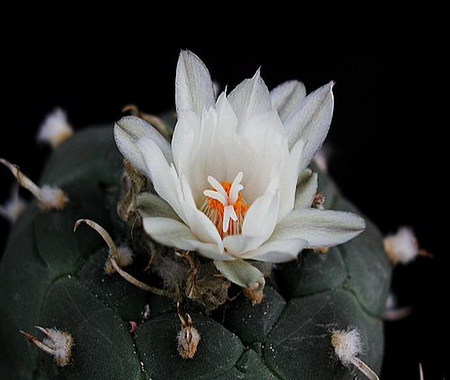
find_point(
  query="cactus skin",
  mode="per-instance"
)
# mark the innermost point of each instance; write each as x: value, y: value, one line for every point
x: 50, y: 276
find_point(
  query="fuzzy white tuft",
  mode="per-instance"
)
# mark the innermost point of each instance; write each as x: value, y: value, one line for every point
x: 391, y: 302
x: 52, y: 198
x: 13, y: 207
x: 61, y: 342
x: 347, y: 345
x: 124, y: 258
x: 55, y: 128
x: 402, y: 246
x: 56, y: 343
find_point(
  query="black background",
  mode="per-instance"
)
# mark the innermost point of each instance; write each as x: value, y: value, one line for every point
x: 389, y: 134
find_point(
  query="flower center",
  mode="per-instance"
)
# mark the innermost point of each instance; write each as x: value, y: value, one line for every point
x: 225, y: 206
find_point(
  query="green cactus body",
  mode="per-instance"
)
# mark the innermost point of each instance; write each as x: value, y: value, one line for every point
x: 51, y: 277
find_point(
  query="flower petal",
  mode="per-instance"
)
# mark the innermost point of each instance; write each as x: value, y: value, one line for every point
x: 306, y: 190
x: 184, y: 135
x: 199, y: 223
x: 261, y: 218
x: 194, y: 90
x: 311, y: 121
x: 277, y: 251
x: 289, y: 176
x: 320, y: 228
x: 250, y: 98
x: 150, y: 205
x: 169, y: 232
x: 130, y: 129
x: 240, y: 272
x: 237, y: 244
x: 173, y: 233
x: 286, y: 97
x: 210, y: 251
x: 163, y: 176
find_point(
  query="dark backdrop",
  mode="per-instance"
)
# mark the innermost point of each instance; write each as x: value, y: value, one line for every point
x: 388, y: 137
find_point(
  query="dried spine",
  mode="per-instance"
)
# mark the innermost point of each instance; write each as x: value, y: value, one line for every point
x: 48, y: 197
x: 57, y: 343
x: 113, y: 256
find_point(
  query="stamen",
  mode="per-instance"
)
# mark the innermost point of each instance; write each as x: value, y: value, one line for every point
x: 225, y: 206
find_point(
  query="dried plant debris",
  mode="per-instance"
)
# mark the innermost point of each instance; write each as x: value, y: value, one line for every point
x: 48, y: 197
x: 188, y: 337
x: 56, y: 343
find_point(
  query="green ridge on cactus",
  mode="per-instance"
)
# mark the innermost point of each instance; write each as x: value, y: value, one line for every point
x: 51, y: 277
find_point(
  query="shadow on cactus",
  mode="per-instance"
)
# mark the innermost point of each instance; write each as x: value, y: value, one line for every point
x: 207, y: 246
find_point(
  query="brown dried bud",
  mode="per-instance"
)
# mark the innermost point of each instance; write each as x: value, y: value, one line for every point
x: 188, y: 337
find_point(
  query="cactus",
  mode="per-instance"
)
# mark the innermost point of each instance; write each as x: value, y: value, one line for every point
x: 136, y: 268
x: 55, y: 278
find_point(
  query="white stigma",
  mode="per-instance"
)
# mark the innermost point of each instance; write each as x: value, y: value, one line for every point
x: 226, y: 199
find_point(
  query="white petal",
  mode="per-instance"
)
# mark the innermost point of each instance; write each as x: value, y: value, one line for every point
x: 276, y: 251
x: 320, y: 228
x: 163, y: 176
x: 184, y: 136
x: 311, y: 121
x: 306, y: 190
x: 200, y: 224
x: 210, y: 251
x: 261, y: 218
x: 249, y: 98
x: 267, y: 140
x: 240, y: 272
x: 194, y: 90
x: 289, y: 176
x: 130, y: 129
x: 237, y: 244
x: 172, y: 233
x: 169, y: 232
x: 226, y: 118
x: 286, y: 97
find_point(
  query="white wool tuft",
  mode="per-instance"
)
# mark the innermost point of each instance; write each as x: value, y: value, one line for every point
x: 124, y: 258
x: 13, y: 207
x: 61, y: 342
x: 52, y: 198
x: 55, y: 128
x: 402, y: 246
x: 347, y: 344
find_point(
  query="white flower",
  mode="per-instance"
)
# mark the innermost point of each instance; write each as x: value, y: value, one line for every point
x: 229, y: 177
